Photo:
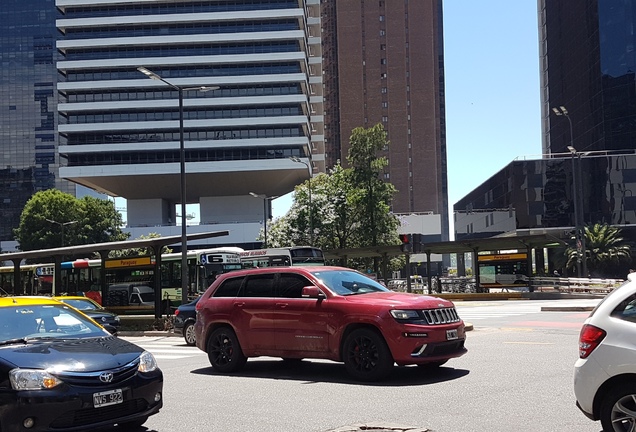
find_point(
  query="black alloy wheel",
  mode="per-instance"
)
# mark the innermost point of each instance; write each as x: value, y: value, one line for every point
x: 224, y: 351
x: 366, y: 355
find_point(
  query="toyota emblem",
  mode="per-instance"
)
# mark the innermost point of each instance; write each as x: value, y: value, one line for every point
x: 106, y: 377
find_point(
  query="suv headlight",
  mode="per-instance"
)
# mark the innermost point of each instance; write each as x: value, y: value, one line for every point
x: 32, y: 379
x: 147, y: 362
x: 405, y: 315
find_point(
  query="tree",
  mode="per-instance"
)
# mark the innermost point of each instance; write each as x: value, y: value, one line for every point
x: 373, y: 196
x: 349, y: 207
x: 52, y: 218
x: 606, y: 251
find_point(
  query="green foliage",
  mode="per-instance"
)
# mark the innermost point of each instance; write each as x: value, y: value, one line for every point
x: 346, y: 208
x: 606, y: 250
x: 52, y: 218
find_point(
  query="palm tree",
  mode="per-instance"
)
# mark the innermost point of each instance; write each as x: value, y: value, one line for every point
x: 605, y: 249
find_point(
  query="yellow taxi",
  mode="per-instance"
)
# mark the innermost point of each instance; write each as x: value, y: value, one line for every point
x: 60, y: 370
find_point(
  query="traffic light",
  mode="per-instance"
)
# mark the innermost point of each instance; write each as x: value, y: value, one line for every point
x: 406, y: 243
x: 416, y: 240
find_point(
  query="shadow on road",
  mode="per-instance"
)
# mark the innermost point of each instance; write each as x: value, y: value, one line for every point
x: 309, y: 371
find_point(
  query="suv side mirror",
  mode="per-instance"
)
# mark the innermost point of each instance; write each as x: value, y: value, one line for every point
x: 312, y: 292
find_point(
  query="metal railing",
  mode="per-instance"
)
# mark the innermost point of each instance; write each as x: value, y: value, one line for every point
x: 572, y: 284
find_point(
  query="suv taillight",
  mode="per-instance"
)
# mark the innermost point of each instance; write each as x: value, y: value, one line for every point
x: 589, y: 339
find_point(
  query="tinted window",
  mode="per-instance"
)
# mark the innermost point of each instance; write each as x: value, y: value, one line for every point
x: 258, y: 286
x: 626, y: 310
x: 229, y: 288
x: 291, y: 285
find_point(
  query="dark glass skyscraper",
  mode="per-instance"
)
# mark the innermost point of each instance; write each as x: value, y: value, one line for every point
x: 28, y: 99
x: 588, y: 66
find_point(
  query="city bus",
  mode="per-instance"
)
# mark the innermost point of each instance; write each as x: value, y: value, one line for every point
x: 286, y: 256
x: 34, y: 278
x: 204, y: 265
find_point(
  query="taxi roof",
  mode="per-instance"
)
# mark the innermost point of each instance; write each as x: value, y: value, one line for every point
x: 26, y: 301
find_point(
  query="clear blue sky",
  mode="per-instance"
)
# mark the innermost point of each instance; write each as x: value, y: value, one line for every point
x: 493, y: 113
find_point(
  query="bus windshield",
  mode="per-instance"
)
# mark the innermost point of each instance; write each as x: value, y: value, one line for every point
x: 289, y: 256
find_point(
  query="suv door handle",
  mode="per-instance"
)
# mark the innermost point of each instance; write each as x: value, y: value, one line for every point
x: 282, y: 305
x: 239, y: 304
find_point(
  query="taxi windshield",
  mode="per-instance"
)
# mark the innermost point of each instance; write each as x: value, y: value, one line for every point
x: 24, y: 322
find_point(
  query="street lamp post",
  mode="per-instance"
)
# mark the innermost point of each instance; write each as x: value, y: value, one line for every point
x: 62, y: 225
x: 578, y: 209
x: 265, y: 199
x: 182, y: 174
x: 311, y: 225
x: 581, y: 261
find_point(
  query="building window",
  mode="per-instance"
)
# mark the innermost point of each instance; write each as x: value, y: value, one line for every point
x: 381, y: 18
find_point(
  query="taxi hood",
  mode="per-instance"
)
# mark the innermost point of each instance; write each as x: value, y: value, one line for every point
x: 79, y: 355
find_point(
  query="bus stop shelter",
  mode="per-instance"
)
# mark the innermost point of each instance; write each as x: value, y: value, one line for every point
x: 529, y: 243
x: 57, y: 254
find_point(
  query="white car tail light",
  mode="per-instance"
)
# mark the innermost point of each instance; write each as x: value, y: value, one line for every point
x: 589, y: 339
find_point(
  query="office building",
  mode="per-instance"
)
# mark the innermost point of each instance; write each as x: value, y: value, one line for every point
x: 120, y: 131
x: 384, y: 63
x: 28, y: 99
x: 588, y: 66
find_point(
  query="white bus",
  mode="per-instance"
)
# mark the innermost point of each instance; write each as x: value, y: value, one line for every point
x: 286, y: 256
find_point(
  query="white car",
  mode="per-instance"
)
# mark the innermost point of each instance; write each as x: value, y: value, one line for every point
x: 605, y: 373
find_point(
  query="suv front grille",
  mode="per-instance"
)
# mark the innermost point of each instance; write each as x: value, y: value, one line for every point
x: 440, y: 316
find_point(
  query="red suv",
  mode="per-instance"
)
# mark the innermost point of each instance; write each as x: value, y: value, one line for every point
x: 323, y: 312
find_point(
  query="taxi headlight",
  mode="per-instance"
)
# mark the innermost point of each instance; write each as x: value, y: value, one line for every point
x: 147, y: 362
x: 32, y: 379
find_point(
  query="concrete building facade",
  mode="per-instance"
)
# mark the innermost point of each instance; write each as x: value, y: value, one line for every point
x: 120, y: 131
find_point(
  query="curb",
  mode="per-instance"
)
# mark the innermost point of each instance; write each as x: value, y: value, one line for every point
x: 567, y: 308
x: 148, y: 333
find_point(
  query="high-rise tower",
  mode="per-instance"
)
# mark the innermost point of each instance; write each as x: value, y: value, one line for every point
x: 384, y: 63
x: 28, y: 98
x: 121, y: 133
x: 588, y: 66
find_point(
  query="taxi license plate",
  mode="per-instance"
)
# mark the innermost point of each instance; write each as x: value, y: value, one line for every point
x: 106, y: 398
x: 451, y: 334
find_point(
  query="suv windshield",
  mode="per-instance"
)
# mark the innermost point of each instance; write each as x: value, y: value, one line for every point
x: 347, y: 282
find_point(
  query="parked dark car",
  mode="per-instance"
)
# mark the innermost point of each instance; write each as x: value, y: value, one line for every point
x: 323, y: 312
x: 184, y: 319
x: 61, y: 371
x: 92, y: 309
